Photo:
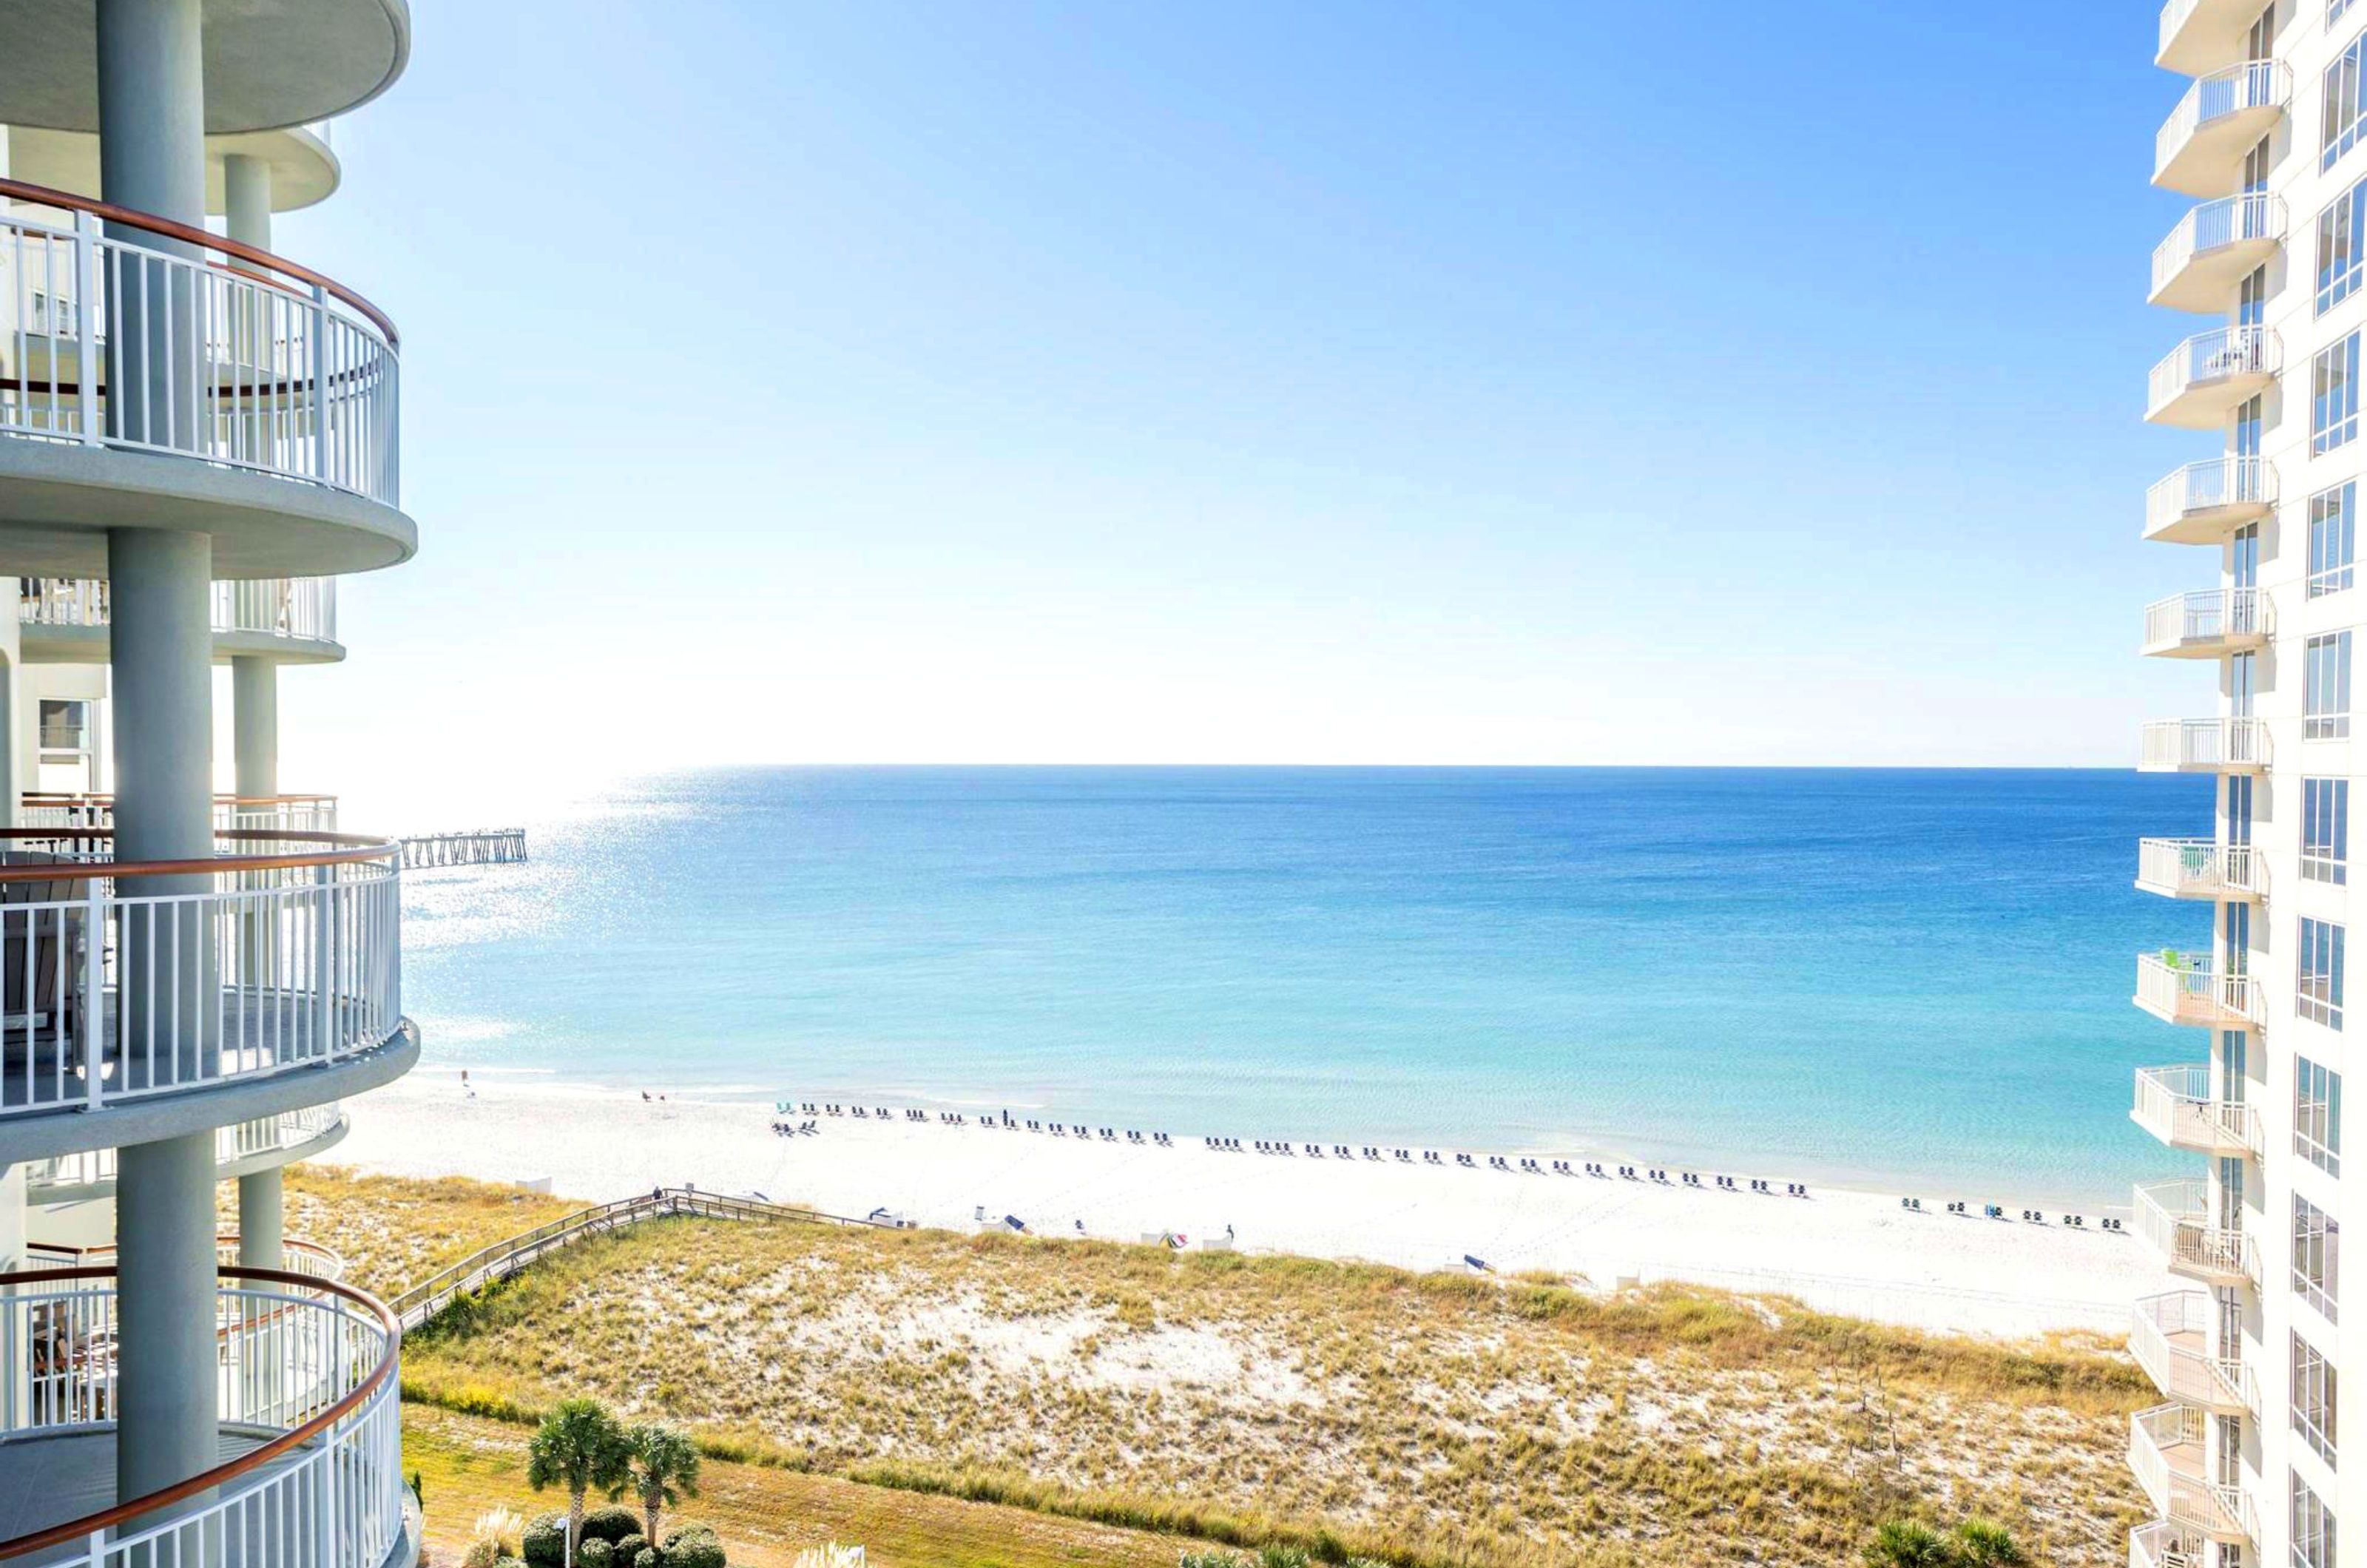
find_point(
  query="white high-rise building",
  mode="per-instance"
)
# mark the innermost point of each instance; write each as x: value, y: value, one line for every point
x: 2269, y: 137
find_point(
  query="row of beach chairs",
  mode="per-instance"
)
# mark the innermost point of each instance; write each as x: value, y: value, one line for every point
x: 2029, y: 1216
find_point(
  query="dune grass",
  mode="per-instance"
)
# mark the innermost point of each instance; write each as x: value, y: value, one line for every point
x: 1426, y: 1419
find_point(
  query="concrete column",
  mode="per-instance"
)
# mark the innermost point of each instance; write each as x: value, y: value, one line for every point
x: 259, y: 1227
x: 255, y: 725
x: 246, y: 199
x: 151, y: 156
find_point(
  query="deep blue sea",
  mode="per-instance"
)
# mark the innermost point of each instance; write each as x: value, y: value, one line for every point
x: 1914, y: 979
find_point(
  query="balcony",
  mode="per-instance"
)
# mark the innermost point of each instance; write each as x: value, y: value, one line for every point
x: 291, y: 620
x: 2200, y: 868
x: 2200, y: 149
x: 2203, y: 745
x: 2165, y: 1545
x: 263, y: 1144
x: 2170, y: 1337
x: 2184, y: 988
x: 309, y: 1258
x: 2200, y: 383
x: 270, y: 813
x: 2198, y: 266
x: 307, y: 1396
x: 2177, y: 1105
x: 2167, y: 1453
x: 2210, y: 624
x: 125, y: 1008
x: 2202, y: 502
x: 2202, y: 36
x: 2173, y: 1218
x: 271, y: 390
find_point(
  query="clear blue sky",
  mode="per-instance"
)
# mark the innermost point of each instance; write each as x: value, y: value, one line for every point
x: 965, y: 381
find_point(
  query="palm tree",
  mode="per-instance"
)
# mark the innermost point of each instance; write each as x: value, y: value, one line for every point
x: 1980, y: 1544
x: 1903, y: 1544
x: 664, y: 1469
x: 578, y: 1446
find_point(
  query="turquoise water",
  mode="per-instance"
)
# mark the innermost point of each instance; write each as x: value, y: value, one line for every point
x: 1885, y: 977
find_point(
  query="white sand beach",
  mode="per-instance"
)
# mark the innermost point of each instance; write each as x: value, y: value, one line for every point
x: 1851, y: 1252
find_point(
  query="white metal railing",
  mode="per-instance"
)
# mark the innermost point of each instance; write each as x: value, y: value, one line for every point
x: 2201, y: 868
x: 240, y: 1141
x: 2179, y: 1492
x: 2174, y: 1219
x: 2167, y: 1335
x: 297, y: 607
x: 2177, y: 1105
x: 2204, y: 743
x: 268, y: 814
x: 275, y: 962
x: 2187, y: 987
x: 2165, y: 1545
x: 315, y: 1364
x: 2214, y: 356
x: 2206, y: 616
x: 2254, y: 85
x: 2232, y: 219
x: 309, y: 1258
x: 2210, y: 485
x: 232, y: 367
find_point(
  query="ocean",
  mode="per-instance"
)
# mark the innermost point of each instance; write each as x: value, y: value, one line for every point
x: 1906, y: 979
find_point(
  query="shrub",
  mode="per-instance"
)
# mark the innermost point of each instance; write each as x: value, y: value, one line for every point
x: 692, y: 1546
x: 628, y: 1547
x: 1904, y: 1543
x: 646, y: 1557
x: 595, y: 1554
x: 480, y: 1554
x: 1208, y: 1560
x: 1282, y: 1557
x: 1980, y: 1544
x: 544, y: 1542
x: 611, y: 1524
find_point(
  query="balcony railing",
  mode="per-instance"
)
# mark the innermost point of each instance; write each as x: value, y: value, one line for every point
x: 243, y: 359
x: 309, y: 1258
x: 2203, y: 745
x: 2174, y: 1219
x: 2200, y: 868
x: 309, y: 1366
x: 2179, y: 1106
x: 2216, y: 122
x: 2212, y: 245
x: 2198, y: 35
x: 241, y: 1141
x: 290, y: 957
x: 2198, y: 382
x: 2197, y: 504
x: 299, y: 608
x: 2170, y: 1337
x: 2166, y: 1452
x: 270, y: 813
x: 2165, y: 1545
x: 2208, y: 622
x: 2185, y: 988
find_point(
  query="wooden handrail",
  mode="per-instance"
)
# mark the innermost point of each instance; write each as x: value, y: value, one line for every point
x: 167, y: 228
x: 254, y: 1458
x: 355, y: 849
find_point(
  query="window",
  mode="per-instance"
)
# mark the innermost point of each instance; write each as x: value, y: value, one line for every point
x: 2313, y: 1397
x: 2339, y: 128
x: 2333, y: 517
x: 2313, y: 1528
x: 2325, y: 830
x: 2334, y: 396
x: 2318, y: 1115
x: 2326, y: 687
x: 2320, y: 991
x: 2334, y: 9
x: 65, y: 725
x: 2341, y: 248
x: 2316, y: 1242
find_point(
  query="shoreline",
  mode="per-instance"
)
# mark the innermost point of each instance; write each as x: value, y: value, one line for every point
x: 1839, y: 1249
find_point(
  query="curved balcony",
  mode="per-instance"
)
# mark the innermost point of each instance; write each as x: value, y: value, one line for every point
x: 2200, y: 36
x: 261, y: 813
x: 150, y: 999
x: 2198, y: 266
x: 2200, y: 148
x: 2174, y: 1219
x: 292, y: 620
x: 2203, y: 745
x: 2177, y: 1105
x: 2210, y: 624
x: 263, y: 1144
x: 2200, y: 383
x: 184, y: 380
x: 309, y: 1258
x: 2167, y: 1453
x: 2202, y: 502
x: 2200, y: 868
x: 2184, y: 988
x: 309, y: 1417
x: 2170, y: 1337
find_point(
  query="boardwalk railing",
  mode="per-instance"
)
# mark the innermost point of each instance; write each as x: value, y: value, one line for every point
x: 500, y: 846
x: 416, y: 1305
